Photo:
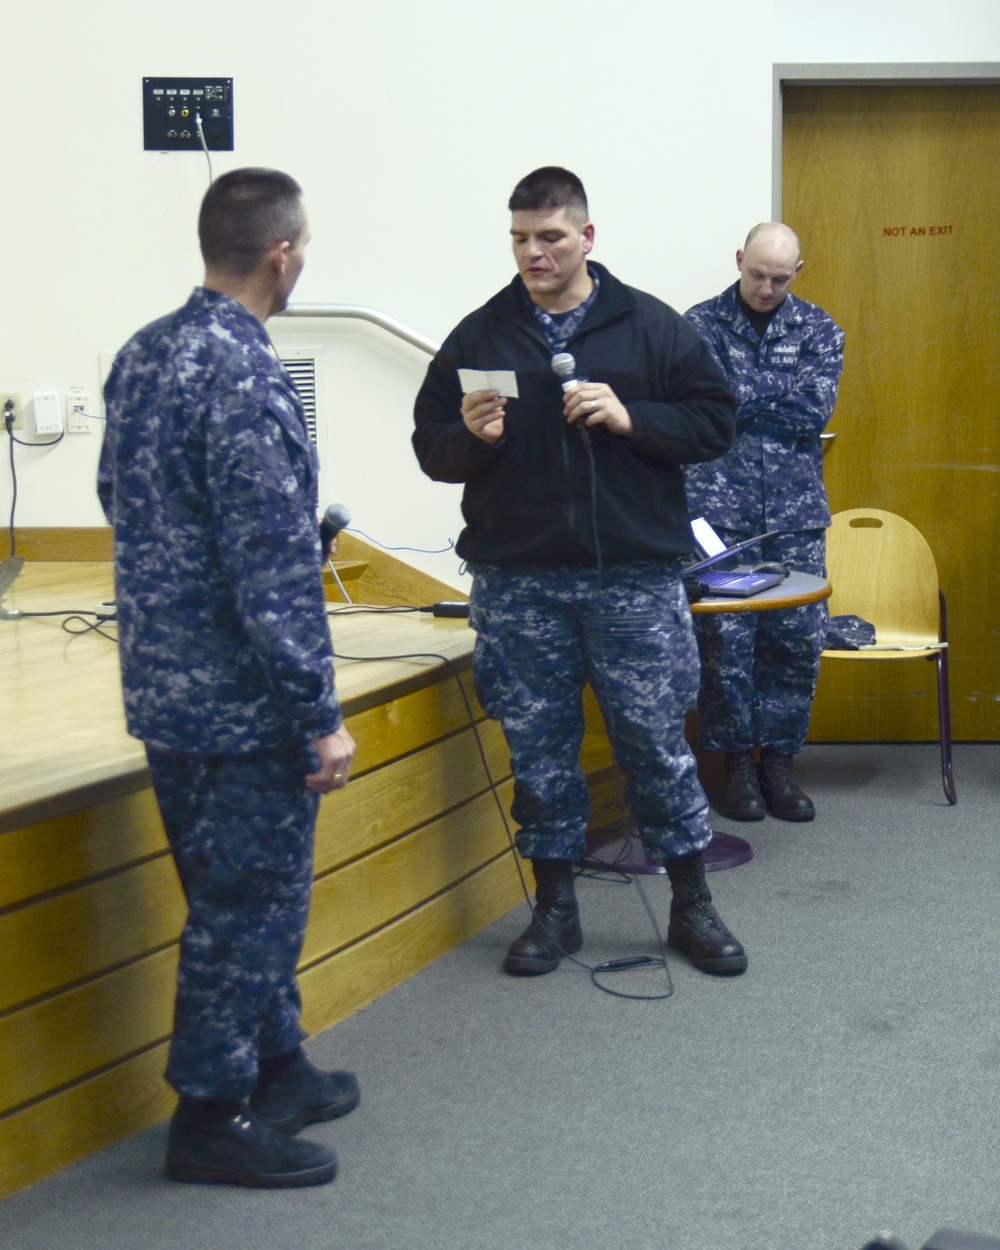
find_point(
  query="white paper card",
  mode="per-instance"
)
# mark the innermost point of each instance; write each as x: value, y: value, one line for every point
x: 502, y: 380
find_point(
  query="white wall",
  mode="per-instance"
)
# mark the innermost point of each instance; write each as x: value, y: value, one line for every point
x: 887, y: 31
x: 407, y: 124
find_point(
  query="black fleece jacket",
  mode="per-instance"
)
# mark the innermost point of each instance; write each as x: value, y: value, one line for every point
x: 533, y: 497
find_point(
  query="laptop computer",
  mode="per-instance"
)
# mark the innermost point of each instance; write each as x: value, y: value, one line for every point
x: 736, y: 583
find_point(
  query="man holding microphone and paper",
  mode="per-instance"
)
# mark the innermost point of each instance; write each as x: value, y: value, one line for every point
x: 576, y: 524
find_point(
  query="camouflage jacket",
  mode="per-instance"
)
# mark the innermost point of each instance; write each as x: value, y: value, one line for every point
x: 786, y: 385
x: 208, y: 477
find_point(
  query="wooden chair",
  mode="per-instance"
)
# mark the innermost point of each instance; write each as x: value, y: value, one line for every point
x: 882, y: 570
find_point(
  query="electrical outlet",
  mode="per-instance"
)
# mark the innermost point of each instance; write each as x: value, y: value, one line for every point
x: 15, y: 398
x: 48, y: 413
x: 78, y: 401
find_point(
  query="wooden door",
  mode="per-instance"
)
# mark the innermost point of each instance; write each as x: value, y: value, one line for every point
x: 895, y: 191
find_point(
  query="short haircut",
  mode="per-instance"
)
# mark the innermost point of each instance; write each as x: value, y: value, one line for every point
x: 244, y: 214
x: 548, y: 188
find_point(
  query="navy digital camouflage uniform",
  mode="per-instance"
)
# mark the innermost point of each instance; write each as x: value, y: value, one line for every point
x: 759, y: 669
x: 209, y: 479
x: 574, y: 541
x: 542, y: 634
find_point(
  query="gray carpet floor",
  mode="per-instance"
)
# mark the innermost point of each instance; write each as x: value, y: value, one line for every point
x: 846, y: 1084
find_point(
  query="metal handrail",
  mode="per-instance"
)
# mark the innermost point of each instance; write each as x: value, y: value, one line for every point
x: 361, y: 313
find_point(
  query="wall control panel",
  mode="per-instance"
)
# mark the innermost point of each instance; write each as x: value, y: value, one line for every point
x: 171, y: 108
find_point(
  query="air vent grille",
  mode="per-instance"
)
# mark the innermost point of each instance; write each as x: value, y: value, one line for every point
x: 302, y: 370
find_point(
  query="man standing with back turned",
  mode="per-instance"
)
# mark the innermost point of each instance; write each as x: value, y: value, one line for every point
x: 783, y: 358
x: 575, y: 528
x: 209, y: 479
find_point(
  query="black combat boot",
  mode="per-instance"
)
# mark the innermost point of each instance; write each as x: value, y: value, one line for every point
x: 555, y: 927
x: 291, y: 1093
x: 741, y: 798
x: 783, y: 797
x: 227, y: 1143
x: 696, y: 929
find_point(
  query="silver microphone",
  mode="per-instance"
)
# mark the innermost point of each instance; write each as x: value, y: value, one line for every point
x: 564, y: 367
x: 336, y: 518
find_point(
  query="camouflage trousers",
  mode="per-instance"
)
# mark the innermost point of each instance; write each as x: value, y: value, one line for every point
x: 240, y: 828
x: 542, y: 634
x: 759, y: 669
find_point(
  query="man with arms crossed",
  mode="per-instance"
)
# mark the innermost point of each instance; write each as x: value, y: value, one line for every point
x: 575, y: 528
x: 209, y: 479
x: 783, y: 358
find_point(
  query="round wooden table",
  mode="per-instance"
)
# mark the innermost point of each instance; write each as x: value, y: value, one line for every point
x: 795, y: 591
x: 626, y: 854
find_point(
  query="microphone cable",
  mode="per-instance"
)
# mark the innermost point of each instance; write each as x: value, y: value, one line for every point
x: 596, y: 971
x: 73, y: 614
x: 426, y: 551
x: 8, y: 420
x: 647, y: 960
x: 204, y: 146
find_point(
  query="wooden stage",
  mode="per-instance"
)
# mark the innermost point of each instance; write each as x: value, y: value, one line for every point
x: 412, y: 858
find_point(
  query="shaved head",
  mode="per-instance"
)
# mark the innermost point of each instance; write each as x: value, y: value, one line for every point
x: 774, y: 234
x: 768, y: 263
